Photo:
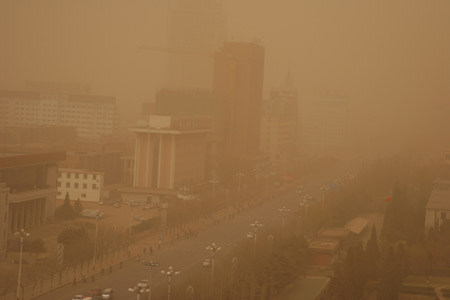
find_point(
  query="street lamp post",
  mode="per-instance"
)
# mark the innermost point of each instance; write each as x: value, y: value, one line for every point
x: 323, y: 188
x: 255, y: 226
x: 299, y: 224
x: 97, y: 216
x: 21, y: 234
x: 138, y: 291
x: 170, y: 273
x: 213, y: 248
x: 283, y: 211
x: 239, y: 176
x: 305, y: 205
x: 214, y: 181
x: 151, y: 265
x: 131, y: 218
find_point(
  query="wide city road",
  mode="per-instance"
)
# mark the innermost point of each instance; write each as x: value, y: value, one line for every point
x: 186, y: 255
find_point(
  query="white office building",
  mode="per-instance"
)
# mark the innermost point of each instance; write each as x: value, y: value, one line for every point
x: 80, y: 184
x: 92, y: 116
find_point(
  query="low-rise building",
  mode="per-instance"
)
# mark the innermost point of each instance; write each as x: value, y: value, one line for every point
x: 80, y: 184
x: 437, y: 209
x: 31, y: 180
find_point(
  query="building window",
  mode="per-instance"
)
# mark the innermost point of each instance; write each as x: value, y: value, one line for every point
x: 84, y: 185
x: 83, y: 195
x: 76, y: 175
x: 85, y: 176
x: 67, y: 184
x: 94, y: 176
x: 68, y: 175
x: 443, y: 216
x: 76, y: 185
x: 94, y: 186
x: 59, y: 184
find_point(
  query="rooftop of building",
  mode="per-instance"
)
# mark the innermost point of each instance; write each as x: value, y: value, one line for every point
x: 323, y: 244
x: 439, y: 199
x: 19, y: 159
x: 31, y: 95
x: 334, y: 233
x: 357, y: 225
x: 79, y: 171
x: 441, y: 184
x: 174, y: 124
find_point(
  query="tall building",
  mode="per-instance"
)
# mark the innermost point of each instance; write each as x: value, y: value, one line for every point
x: 31, y: 180
x: 170, y: 151
x: 279, y: 124
x: 238, y: 79
x: 325, y: 123
x: 92, y: 116
x: 197, y: 28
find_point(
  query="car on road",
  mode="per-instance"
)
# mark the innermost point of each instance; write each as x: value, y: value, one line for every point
x: 148, y: 207
x: 139, y: 218
x: 78, y: 297
x: 116, y: 205
x: 207, y: 263
x: 108, y: 294
x: 143, y: 284
x: 94, y: 293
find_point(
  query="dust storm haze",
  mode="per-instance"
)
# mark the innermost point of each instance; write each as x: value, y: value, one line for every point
x: 304, y: 144
x: 391, y: 57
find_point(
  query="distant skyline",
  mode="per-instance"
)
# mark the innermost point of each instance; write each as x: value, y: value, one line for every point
x: 392, y: 57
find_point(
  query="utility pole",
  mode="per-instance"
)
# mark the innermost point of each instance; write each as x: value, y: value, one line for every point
x: 151, y: 265
x: 97, y: 216
x: 255, y: 226
x: 283, y: 211
x: 213, y: 248
x: 214, y: 181
x: 21, y: 234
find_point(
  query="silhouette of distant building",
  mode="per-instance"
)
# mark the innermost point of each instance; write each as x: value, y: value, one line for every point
x: 197, y: 28
x: 238, y: 80
x: 279, y: 124
x: 92, y: 116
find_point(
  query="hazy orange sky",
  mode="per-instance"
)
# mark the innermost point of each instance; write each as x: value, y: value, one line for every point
x: 393, y: 57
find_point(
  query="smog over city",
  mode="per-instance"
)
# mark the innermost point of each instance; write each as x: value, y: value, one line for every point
x: 224, y: 150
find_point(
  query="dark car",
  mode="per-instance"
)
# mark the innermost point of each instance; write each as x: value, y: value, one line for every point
x: 95, y: 293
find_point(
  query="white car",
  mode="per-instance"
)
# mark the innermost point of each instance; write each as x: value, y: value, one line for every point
x: 207, y: 263
x: 78, y: 297
x: 143, y: 284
